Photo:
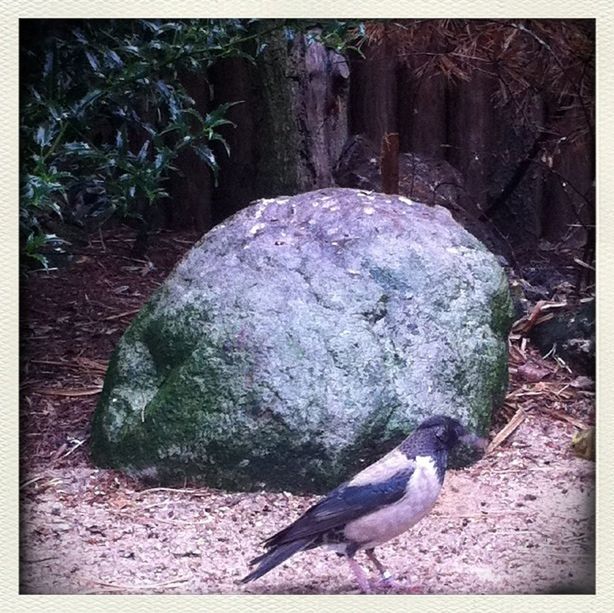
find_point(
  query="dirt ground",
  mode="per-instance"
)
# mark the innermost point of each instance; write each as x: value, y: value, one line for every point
x: 519, y: 521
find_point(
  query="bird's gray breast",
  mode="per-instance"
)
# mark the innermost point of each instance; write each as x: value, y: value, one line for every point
x: 421, y: 492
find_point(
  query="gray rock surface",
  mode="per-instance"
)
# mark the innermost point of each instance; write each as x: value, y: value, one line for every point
x: 301, y: 339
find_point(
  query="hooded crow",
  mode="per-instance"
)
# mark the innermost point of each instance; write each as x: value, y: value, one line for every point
x: 376, y: 505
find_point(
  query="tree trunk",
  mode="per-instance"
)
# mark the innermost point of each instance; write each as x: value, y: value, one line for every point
x: 471, y: 131
x: 422, y: 113
x: 190, y: 187
x: 234, y: 80
x: 373, y: 87
x: 291, y: 126
x: 569, y: 202
x: 302, y: 112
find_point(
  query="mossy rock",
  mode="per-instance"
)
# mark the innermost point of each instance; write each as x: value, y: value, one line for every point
x: 302, y: 338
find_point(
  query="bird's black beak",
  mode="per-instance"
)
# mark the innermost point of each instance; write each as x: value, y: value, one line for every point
x: 474, y: 441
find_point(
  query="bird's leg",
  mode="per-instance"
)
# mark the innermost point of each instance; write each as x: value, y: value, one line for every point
x: 359, y: 573
x: 387, y: 579
x: 383, y: 571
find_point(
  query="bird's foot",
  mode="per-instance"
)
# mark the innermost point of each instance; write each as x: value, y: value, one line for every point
x: 386, y: 581
x: 388, y: 585
x: 361, y: 578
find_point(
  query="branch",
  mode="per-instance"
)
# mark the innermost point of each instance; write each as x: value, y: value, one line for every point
x: 556, y: 58
x: 521, y: 170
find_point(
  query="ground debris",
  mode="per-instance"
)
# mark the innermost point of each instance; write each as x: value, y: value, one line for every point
x: 521, y: 520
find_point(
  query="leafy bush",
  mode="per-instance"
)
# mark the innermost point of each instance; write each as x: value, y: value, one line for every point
x: 104, y: 114
x: 103, y: 105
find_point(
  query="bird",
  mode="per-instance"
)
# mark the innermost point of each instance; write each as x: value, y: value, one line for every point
x: 376, y: 505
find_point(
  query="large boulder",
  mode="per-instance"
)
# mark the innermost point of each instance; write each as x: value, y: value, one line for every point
x: 303, y: 337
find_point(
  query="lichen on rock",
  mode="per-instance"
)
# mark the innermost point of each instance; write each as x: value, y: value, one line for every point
x: 304, y: 337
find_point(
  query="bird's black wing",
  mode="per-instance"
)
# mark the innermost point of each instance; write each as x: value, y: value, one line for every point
x: 342, y: 505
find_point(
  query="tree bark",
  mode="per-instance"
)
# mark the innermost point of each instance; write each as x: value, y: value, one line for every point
x: 235, y: 80
x: 390, y: 163
x: 292, y: 124
x: 373, y: 93
x: 190, y: 187
x: 422, y: 113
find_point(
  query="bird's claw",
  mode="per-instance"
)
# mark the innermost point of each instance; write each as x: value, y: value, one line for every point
x: 386, y: 581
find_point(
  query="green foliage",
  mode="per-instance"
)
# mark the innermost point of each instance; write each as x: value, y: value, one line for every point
x: 340, y: 36
x: 104, y: 110
x: 35, y: 242
x: 103, y: 103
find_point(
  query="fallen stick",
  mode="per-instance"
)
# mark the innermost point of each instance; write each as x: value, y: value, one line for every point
x: 511, y: 426
x: 68, y: 391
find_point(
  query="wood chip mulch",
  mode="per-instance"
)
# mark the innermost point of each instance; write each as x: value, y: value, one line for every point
x: 521, y: 520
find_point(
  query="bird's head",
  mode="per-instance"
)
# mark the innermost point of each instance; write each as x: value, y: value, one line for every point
x: 446, y: 433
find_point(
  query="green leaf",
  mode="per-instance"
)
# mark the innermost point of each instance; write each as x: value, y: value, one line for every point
x: 163, y: 88
x: 221, y: 139
x: 132, y: 50
x: 194, y: 113
x: 171, y: 25
x: 40, y: 258
x: 87, y: 101
x: 43, y: 136
x: 112, y: 59
x: 206, y: 155
x: 91, y: 58
x: 55, y: 112
x: 159, y: 161
x: 150, y: 25
x: 49, y: 62
x: 77, y: 147
x: 142, y: 154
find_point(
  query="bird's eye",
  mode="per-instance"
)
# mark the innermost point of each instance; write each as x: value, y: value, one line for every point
x: 441, y: 433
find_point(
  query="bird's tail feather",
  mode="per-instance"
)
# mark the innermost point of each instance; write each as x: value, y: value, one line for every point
x: 269, y: 560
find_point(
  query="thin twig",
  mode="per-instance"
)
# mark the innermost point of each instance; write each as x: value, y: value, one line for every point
x: 564, y: 417
x: 49, y: 362
x: 501, y: 436
x: 150, y: 586
x: 40, y: 560
x: 120, y: 315
x: 39, y: 478
x: 68, y: 392
x: 168, y: 489
x: 104, y: 248
x: 583, y: 264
